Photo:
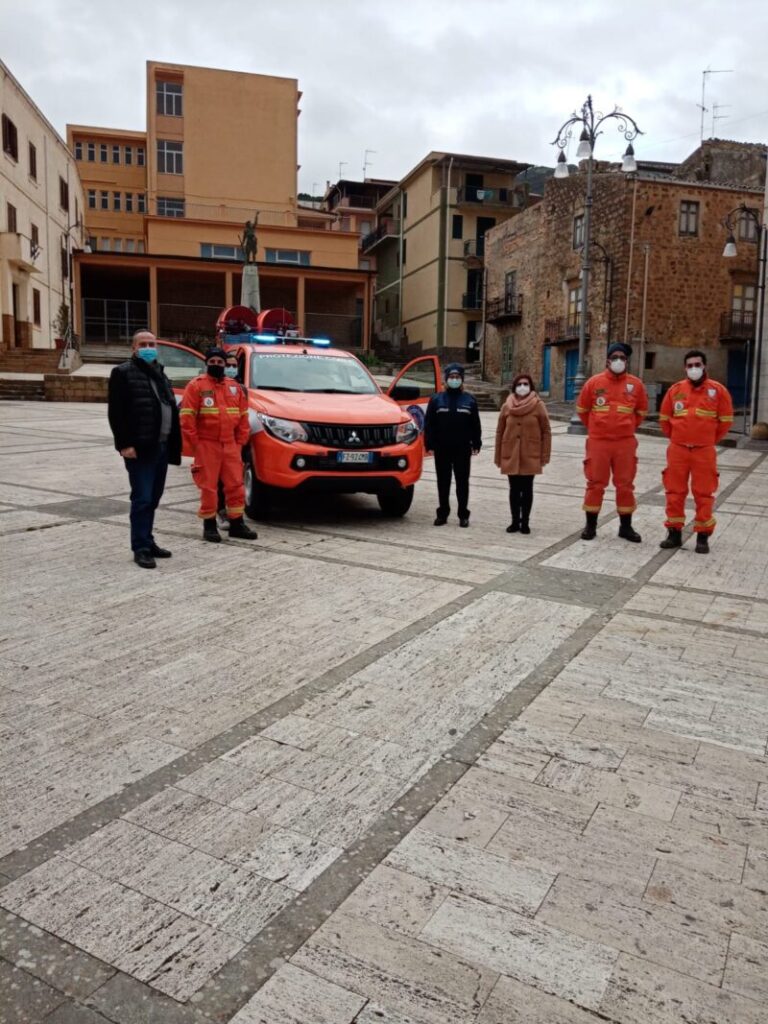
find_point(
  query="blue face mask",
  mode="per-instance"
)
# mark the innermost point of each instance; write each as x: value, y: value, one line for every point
x: 149, y: 355
x: 230, y: 371
x: 453, y: 382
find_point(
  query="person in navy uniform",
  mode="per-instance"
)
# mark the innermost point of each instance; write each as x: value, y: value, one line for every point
x: 452, y: 432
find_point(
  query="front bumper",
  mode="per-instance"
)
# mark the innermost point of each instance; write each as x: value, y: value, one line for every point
x: 275, y: 463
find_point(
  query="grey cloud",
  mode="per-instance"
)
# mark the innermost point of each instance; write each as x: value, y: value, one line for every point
x: 496, y: 77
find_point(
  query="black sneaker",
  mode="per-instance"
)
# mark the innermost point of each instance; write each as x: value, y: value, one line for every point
x: 440, y: 521
x: 144, y: 559
x: 464, y: 521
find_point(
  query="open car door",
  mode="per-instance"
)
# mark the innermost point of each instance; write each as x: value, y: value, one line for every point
x: 414, y: 385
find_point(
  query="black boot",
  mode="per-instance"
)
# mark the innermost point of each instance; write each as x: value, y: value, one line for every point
x: 237, y: 528
x: 702, y: 543
x: 514, y: 508
x: 441, y: 518
x: 210, y: 531
x: 158, y: 552
x: 525, y: 513
x: 626, y: 531
x: 590, y: 530
x: 674, y: 538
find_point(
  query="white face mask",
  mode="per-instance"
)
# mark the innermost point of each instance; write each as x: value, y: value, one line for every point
x: 617, y: 365
x: 522, y: 390
x: 694, y: 372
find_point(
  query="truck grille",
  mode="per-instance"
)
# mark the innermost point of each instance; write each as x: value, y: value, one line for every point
x: 332, y: 435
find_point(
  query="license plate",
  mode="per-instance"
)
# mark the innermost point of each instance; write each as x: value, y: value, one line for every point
x: 364, y: 458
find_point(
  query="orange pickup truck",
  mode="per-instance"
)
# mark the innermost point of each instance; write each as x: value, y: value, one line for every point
x: 319, y: 420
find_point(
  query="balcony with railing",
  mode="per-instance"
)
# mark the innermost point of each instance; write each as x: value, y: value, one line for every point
x: 357, y: 202
x: 514, y: 198
x: 561, y: 329
x: 387, y: 229
x: 474, y: 251
x: 504, y: 307
x: 471, y: 300
x: 737, y: 325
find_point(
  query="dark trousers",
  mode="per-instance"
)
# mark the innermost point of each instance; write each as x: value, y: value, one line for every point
x: 520, y: 498
x: 453, y: 462
x: 147, y: 475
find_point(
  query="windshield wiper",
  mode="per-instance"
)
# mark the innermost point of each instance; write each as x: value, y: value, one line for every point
x: 335, y: 391
x: 273, y: 387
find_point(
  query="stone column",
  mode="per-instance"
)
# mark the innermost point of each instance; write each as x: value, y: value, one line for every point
x: 761, y: 371
x: 249, y: 290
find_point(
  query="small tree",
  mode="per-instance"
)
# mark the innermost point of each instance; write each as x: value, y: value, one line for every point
x: 61, y: 321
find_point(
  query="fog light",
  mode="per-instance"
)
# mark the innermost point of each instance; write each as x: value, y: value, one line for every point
x: 402, y: 463
x: 300, y: 463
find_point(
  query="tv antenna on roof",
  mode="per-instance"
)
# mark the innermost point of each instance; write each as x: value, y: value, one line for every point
x: 366, y: 161
x: 342, y: 164
x: 702, y: 105
x: 719, y: 117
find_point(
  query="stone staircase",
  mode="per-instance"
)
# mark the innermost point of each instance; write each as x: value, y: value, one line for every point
x: 22, y: 390
x: 30, y: 360
x: 489, y: 396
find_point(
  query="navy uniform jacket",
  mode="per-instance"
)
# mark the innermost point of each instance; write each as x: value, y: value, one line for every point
x: 452, y: 422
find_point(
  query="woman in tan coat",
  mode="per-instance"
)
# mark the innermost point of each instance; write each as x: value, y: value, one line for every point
x: 523, y: 447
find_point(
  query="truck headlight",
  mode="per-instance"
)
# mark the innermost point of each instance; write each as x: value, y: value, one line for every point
x: 284, y: 430
x: 406, y: 432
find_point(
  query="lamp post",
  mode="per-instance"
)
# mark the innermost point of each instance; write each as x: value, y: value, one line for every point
x: 607, y: 288
x: 591, y: 122
x: 729, y: 252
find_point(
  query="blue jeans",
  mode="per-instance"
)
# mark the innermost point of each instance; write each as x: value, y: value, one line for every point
x: 147, y: 475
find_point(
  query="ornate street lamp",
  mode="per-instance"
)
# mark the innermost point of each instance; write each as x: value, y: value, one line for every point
x: 730, y: 250
x: 591, y: 122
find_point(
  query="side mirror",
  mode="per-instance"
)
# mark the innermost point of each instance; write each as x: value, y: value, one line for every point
x: 404, y: 393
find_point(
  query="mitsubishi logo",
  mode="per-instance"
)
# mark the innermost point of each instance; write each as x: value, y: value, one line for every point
x: 353, y: 438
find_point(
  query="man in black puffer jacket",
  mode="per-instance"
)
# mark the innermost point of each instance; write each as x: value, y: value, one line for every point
x: 453, y: 432
x: 144, y: 419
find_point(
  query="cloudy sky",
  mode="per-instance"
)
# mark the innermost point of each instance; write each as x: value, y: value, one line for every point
x: 401, y: 77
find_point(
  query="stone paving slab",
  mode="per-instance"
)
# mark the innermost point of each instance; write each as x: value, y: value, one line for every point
x: 404, y: 776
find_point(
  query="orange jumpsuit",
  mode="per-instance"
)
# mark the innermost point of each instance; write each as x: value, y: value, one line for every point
x: 214, y: 423
x: 611, y: 407
x: 694, y: 419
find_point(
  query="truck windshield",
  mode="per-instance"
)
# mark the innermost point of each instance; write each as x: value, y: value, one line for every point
x: 324, y: 374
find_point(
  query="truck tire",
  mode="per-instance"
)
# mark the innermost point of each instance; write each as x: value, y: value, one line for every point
x: 257, y: 496
x: 396, y: 503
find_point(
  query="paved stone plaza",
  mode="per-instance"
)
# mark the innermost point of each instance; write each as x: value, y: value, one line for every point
x: 371, y: 771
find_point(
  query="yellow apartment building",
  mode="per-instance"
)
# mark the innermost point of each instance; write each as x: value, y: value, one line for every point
x: 41, y: 207
x: 429, y: 248
x: 165, y: 210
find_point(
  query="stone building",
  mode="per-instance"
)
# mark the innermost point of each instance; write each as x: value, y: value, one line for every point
x: 41, y: 204
x: 657, y: 274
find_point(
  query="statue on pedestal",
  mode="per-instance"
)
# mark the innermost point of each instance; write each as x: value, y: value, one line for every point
x: 248, y: 242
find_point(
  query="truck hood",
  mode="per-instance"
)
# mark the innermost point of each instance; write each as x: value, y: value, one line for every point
x: 320, y: 408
